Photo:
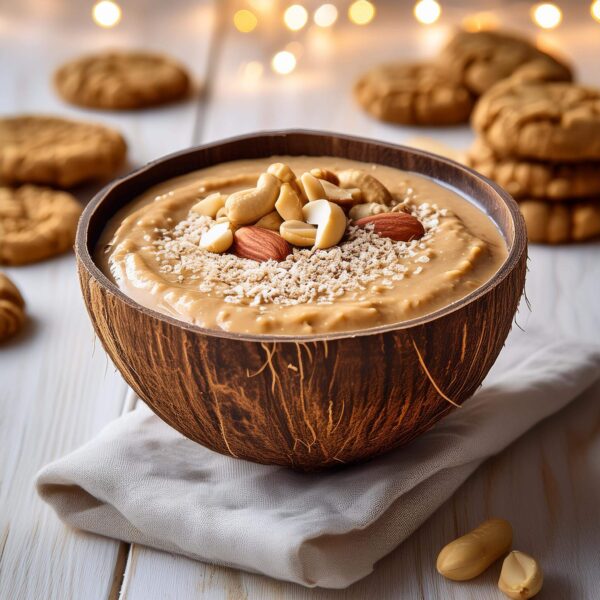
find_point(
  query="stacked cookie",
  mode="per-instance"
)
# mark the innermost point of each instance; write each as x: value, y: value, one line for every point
x: 444, y: 91
x: 541, y: 142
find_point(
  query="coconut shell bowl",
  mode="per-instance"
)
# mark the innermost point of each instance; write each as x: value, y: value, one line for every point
x: 313, y: 401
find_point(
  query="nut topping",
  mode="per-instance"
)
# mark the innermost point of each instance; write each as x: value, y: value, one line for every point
x: 329, y: 219
x: 373, y: 190
x: 259, y: 244
x: 218, y: 238
x: 210, y: 206
x: 288, y: 204
x: 298, y: 233
x: 248, y: 206
x: 398, y: 226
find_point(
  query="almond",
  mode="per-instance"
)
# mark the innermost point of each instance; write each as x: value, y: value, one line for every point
x: 259, y: 244
x: 398, y: 226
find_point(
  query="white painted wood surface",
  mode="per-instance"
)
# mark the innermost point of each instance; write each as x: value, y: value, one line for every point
x: 57, y: 387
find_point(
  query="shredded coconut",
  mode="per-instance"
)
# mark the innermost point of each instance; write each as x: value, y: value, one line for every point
x: 306, y: 275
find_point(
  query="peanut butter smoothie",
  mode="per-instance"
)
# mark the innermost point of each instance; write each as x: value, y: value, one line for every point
x: 293, y: 245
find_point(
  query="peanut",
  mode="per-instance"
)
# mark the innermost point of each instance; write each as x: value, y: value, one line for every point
x: 218, y: 238
x: 248, y: 206
x: 312, y: 187
x: 471, y: 554
x: 329, y: 219
x: 288, y: 204
x: 521, y: 576
x: 210, y: 206
x: 298, y: 233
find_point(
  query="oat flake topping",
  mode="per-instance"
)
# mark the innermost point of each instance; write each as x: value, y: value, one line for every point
x: 306, y: 275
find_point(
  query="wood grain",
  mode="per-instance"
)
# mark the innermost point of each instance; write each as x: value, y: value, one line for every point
x: 253, y: 405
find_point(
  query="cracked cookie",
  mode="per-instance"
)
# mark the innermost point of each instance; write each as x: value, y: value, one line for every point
x: 12, y: 308
x: 57, y: 152
x: 122, y: 80
x: 35, y: 223
x: 545, y: 121
x: 524, y: 178
x: 413, y: 94
x: 478, y: 60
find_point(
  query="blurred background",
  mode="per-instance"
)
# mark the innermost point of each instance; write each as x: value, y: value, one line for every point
x: 285, y: 64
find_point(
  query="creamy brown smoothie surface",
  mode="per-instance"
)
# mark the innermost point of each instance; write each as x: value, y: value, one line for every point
x: 153, y: 251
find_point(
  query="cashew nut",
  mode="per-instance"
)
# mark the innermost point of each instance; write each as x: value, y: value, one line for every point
x: 270, y: 221
x: 248, y: 206
x: 329, y: 219
x: 471, y: 554
x: 288, y: 204
x: 222, y: 212
x: 325, y: 174
x: 521, y: 576
x: 218, y: 238
x: 282, y: 171
x: 373, y: 190
x: 367, y: 210
x: 341, y: 196
x: 210, y: 206
x: 298, y: 233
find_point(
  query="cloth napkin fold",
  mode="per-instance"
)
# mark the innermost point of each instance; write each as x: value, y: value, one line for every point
x: 141, y: 481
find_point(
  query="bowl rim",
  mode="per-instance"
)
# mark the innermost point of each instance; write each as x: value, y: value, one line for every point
x: 515, y: 252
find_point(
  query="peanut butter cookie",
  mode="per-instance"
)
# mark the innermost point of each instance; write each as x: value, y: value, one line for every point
x: 12, y: 308
x: 35, y: 223
x: 122, y: 80
x: 480, y: 59
x: 561, y: 222
x: 413, y: 94
x: 546, y: 121
x: 524, y: 178
x: 58, y: 152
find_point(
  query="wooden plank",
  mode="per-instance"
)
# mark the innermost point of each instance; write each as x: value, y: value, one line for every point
x: 545, y: 484
x: 57, y: 387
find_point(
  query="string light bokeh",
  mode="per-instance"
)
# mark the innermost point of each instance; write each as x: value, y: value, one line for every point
x: 427, y: 12
x: 106, y: 13
x: 546, y: 15
x: 310, y: 16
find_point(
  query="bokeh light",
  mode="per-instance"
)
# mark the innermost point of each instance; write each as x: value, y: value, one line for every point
x: 106, y: 13
x: 326, y: 15
x: 245, y: 20
x: 361, y: 12
x: 295, y: 17
x: 283, y: 62
x: 595, y: 10
x: 427, y: 11
x: 546, y: 15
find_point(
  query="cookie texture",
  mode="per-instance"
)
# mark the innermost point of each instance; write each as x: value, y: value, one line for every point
x: 413, y: 94
x: 57, y: 152
x: 561, y: 222
x: 481, y: 59
x: 35, y: 223
x: 523, y: 178
x: 122, y: 80
x: 557, y: 122
x: 12, y: 308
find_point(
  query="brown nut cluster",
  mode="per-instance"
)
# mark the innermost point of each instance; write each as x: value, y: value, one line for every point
x: 283, y: 210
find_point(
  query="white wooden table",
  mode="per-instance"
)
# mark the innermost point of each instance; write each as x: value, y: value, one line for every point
x: 57, y: 387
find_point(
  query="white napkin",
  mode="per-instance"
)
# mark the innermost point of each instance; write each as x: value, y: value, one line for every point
x: 141, y: 481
